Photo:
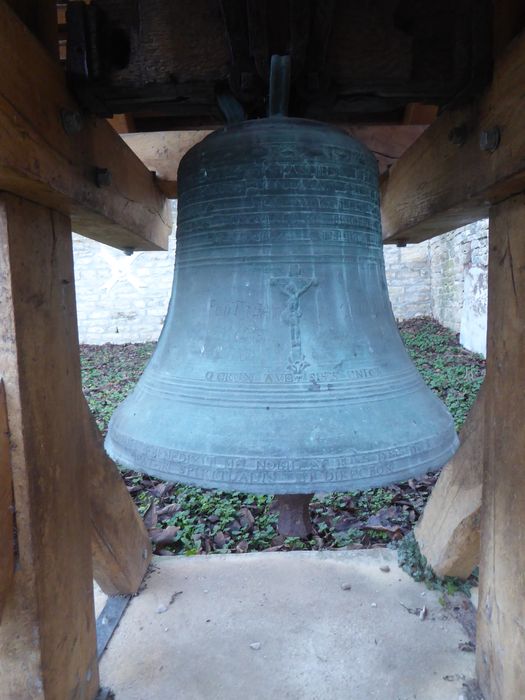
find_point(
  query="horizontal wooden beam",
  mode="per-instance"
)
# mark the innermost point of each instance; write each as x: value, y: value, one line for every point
x: 90, y: 174
x: 162, y: 151
x: 419, y: 113
x: 440, y: 184
x: 40, y: 17
x: 387, y: 142
x: 122, y: 123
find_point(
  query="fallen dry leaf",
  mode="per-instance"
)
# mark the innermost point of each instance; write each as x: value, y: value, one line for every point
x: 163, y: 536
x: 151, y: 516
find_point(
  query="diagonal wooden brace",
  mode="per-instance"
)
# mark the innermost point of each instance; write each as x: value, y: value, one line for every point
x: 448, y: 532
x: 120, y: 545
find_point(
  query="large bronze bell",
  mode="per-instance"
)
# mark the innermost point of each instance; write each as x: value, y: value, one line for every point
x: 280, y: 368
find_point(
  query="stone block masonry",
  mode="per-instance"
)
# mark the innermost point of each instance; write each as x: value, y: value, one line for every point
x: 124, y: 299
x: 445, y: 278
x: 408, y: 279
x: 121, y: 298
x: 458, y: 280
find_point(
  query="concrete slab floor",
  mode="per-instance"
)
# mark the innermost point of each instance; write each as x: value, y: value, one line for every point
x: 297, y: 625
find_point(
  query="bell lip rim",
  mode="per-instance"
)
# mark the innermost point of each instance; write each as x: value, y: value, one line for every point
x: 430, y: 465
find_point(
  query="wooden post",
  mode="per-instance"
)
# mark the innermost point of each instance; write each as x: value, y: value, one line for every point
x: 501, y: 612
x: 47, y: 635
x: 120, y: 543
x: 7, y: 543
x: 448, y: 532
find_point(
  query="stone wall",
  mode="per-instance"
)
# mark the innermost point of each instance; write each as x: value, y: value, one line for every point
x: 408, y: 278
x: 458, y: 279
x: 445, y: 278
x: 123, y: 299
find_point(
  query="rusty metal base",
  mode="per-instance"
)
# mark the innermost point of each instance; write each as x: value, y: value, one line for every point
x: 294, y: 514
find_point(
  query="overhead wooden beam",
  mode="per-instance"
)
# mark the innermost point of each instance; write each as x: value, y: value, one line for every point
x: 387, y: 142
x: 61, y: 9
x: 47, y: 634
x: 90, y: 175
x: 448, y: 532
x: 122, y: 123
x: 120, y: 543
x: 439, y: 185
x: 501, y: 609
x: 508, y: 20
x: 162, y: 151
x: 40, y: 17
x: 392, y: 139
x: 7, y: 530
x: 419, y: 113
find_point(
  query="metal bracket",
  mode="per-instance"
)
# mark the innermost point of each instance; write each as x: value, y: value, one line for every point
x: 107, y: 621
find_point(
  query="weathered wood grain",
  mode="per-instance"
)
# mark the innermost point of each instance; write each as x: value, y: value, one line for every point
x: 501, y: 610
x: 437, y: 186
x: 448, y: 532
x: 508, y: 21
x: 47, y: 635
x: 119, y: 541
x: 162, y: 151
x: 7, y: 542
x: 40, y: 162
x: 40, y: 16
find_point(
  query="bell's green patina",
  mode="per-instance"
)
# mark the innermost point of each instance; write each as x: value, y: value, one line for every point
x: 280, y: 368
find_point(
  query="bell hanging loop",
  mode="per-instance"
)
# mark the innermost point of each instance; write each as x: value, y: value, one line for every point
x: 280, y: 73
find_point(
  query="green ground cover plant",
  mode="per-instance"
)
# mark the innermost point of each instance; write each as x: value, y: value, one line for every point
x: 188, y: 520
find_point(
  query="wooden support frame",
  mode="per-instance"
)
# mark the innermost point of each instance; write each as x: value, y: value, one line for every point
x: 41, y: 162
x: 501, y: 610
x: 7, y: 531
x: 448, y: 532
x: 438, y: 185
x: 47, y: 635
x: 40, y: 16
x: 162, y: 151
x: 120, y: 543
x: 58, y: 457
x: 63, y: 480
